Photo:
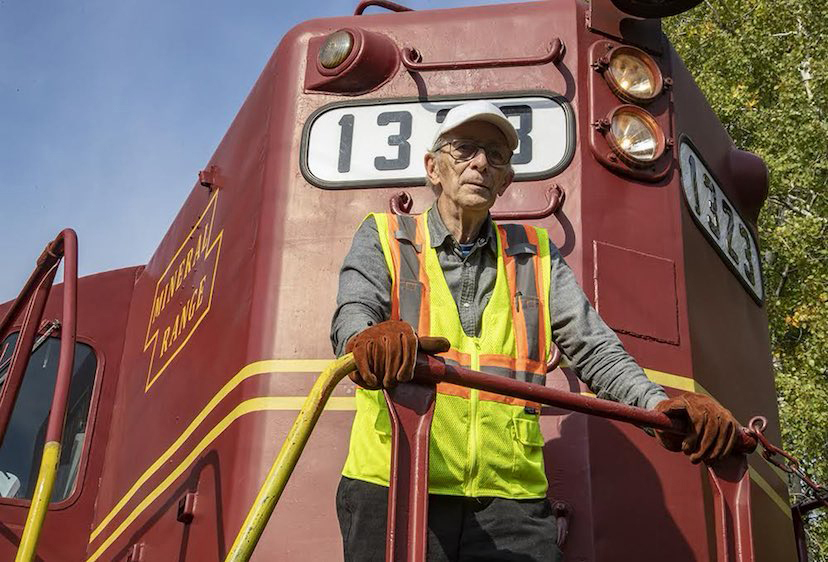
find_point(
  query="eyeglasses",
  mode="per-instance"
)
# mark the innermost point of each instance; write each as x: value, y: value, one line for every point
x: 463, y: 150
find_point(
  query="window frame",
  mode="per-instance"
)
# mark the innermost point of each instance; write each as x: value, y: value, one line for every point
x: 91, y: 417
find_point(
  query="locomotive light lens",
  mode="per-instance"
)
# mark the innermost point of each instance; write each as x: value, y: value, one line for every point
x: 336, y: 49
x: 633, y: 75
x: 635, y: 136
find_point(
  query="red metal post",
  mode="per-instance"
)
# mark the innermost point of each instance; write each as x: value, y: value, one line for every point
x: 799, y: 535
x: 54, y: 430
x: 730, y: 482
x: 34, y: 295
x: 412, y: 408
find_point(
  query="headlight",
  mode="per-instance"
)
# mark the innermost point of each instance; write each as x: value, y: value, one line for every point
x: 633, y: 75
x: 336, y: 49
x: 635, y: 136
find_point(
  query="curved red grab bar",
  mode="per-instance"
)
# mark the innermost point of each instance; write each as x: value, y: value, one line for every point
x: 412, y: 60
x: 555, y: 360
x: 393, y: 6
x: 401, y: 203
x: 553, y: 205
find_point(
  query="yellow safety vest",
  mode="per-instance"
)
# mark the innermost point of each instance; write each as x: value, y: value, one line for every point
x: 482, y: 444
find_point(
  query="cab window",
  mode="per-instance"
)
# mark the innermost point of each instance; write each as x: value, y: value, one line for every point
x: 22, y: 445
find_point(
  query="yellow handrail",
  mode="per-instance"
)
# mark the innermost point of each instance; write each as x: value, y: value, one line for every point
x: 40, y: 502
x: 282, y: 468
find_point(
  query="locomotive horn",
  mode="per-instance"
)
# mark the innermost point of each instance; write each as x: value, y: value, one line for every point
x: 654, y: 8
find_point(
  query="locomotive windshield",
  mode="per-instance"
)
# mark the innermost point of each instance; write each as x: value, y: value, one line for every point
x: 23, y: 444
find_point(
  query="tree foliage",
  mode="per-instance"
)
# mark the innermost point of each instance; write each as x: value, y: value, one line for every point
x: 763, y: 65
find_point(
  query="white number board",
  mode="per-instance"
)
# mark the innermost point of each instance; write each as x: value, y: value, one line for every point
x: 719, y: 220
x: 384, y: 143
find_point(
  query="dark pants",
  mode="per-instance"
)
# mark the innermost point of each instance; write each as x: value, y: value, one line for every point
x: 459, y: 528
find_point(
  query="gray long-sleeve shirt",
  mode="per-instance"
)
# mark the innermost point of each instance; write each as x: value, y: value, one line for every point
x: 593, y: 349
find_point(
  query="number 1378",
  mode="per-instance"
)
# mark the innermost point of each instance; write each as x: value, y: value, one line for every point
x: 403, y: 120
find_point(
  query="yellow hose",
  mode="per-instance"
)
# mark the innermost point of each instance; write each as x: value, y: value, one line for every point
x: 277, y: 478
x: 40, y: 502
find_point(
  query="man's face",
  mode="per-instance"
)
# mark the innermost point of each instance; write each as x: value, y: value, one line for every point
x: 474, y: 184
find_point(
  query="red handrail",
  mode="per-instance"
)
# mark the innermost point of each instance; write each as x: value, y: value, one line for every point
x: 412, y: 59
x: 68, y: 334
x: 392, y: 6
x: 556, y: 196
x: 36, y: 292
x: 33, y: 298
x: 411, y: 406
x: 433, y: 370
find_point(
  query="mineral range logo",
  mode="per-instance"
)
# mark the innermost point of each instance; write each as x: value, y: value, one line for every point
x: 184, y: 293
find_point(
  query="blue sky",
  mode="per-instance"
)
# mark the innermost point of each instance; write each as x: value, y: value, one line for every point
x: 109, y: 109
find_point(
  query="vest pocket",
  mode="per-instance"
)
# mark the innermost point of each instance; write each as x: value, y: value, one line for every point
x: 527, y: 432
x: 528, y: 453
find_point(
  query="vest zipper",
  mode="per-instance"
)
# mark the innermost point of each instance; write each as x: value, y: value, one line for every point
x: 474, y: 399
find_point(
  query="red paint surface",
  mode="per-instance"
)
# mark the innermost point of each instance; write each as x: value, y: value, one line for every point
x: 272, y: 262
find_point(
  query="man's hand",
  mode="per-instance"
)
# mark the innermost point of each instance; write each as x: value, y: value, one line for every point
x: 713, y: 431
x: 385, y: 354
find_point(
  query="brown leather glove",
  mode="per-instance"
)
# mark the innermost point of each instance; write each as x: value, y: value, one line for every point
x: 385, y: 354
x: 713, y: 431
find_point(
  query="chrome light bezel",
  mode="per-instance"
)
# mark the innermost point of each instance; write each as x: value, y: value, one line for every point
x: 647, y: 61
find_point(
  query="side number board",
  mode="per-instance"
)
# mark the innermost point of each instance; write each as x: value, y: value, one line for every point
x: 719, y: 221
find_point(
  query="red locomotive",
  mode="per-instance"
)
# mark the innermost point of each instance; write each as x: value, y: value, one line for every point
x: 189, y: 371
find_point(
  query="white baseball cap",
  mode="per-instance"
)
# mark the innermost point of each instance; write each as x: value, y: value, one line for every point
x: 478, y: 110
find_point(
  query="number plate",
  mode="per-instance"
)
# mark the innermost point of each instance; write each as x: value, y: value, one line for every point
x: 719, y: 220
x: 382, y: 144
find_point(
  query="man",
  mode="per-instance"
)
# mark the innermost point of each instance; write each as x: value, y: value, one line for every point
x: 491, y: 298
